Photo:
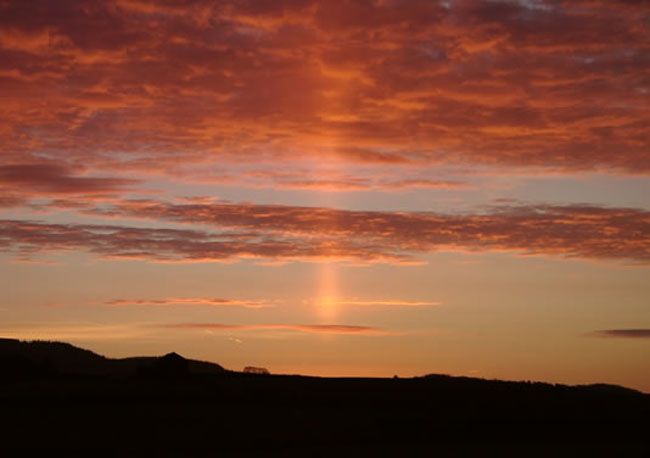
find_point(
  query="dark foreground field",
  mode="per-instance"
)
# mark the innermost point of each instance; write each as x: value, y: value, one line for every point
x: 56, y: 399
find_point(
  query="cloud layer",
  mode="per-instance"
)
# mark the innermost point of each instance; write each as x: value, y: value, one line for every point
x: 152, y: 85
x: 285, y: 233
x: 573, y: 231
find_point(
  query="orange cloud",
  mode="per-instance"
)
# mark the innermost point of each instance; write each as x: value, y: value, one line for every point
x: 383, y: 302
x: 217, y: 302
x: 156, y: 85
x: 304, y: 328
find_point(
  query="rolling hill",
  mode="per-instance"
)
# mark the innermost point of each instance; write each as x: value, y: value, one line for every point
x: 62, y: 399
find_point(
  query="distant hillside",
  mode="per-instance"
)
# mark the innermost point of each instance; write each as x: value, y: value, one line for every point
x: 20, y: 359
x: 62, y: 400
x: 472, y: 383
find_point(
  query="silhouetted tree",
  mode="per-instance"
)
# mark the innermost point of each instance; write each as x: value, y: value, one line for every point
x: 256, y: 370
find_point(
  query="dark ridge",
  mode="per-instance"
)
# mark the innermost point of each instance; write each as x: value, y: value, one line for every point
x: 8, y: 341
x: 62, y: 400
x: 27, y: 358
x: 507, y: 384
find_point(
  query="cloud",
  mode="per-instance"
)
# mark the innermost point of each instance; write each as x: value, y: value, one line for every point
x: 377, y: 303
x: 303, y: 328
x: 290, y: 233
x: 216, y: 302
x: 361, y: 184
x: 424, y: 184
x: 9, y: 200
x: 26, y: 239
x: 30, y: 179
x: 330, y: 180
x: 158, y: 85
x: 582, y: 231
x: 624, y: 333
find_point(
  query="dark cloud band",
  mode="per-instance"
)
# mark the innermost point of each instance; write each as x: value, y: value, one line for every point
x: 317, y: 233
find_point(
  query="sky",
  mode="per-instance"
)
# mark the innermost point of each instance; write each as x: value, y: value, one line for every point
x: 335, y: 188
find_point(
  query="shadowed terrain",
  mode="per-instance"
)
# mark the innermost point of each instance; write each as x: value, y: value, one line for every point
x: 42, y: 358
x: 57, y: 397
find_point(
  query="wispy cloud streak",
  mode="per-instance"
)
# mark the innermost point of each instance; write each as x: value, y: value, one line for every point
x: 303, y: 328
x: 56, y: 179
x: 624, y: 333
x: 380, y: 303
x: 208, y: 301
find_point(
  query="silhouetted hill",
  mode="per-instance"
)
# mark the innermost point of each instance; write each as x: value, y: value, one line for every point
x: 171, y: 406
x: 473, y: 383
x: 20, y: 359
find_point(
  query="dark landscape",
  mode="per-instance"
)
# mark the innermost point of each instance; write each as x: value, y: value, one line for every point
x: 62, y: 399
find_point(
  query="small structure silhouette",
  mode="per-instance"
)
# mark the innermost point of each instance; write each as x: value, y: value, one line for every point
x: 256, y: 370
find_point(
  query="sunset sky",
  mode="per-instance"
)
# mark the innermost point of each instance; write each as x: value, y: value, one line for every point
x: 367, y: 187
